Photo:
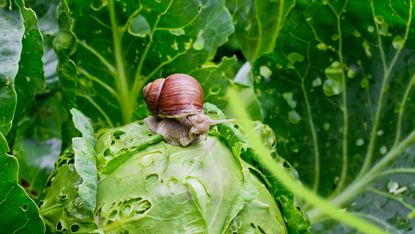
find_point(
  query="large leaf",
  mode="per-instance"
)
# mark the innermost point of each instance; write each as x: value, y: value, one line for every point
x: 19, y: 213
x: 48, y: 25
x: 108, y: 50
x: 38, y: 143
x: 257, y: 24
x: 338, y: 91
x: 22, y: 68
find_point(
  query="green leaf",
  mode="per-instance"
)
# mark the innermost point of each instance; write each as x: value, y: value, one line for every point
x: 20, y: 213
x: 338, y: 90
x: 85, y: 160
x: 256, y: 25
x: 61, y: 208
x: 48, y: 25
x: 38, y: 144
x: 109, y: 50
x: 11, y: 24
x: 71, y: 191
x: 215, y: 80
x: 291, y: 208
x: 22, y: 68
x: 30, y: 77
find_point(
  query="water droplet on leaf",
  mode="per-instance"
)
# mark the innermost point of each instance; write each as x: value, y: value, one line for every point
x: 316, y: 82
x: 139, y: 27
x: 360, y: 142
x: 177, y: 31
x: 397, y: 42
x: 383, y: 150
x: 289, y: 99
x: 333, y: 84
x: 264, y: 71
x: 370, y: 28
x: 364, y: 83
x: 293, y: 58
x: 294, y: 117
x: 321, y: 46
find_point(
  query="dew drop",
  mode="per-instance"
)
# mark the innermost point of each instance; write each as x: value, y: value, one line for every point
x: 366, y: 47
x: 321, y: 46
x: 326, y: 126
x: 177, y: 31
x: 379, y: 19
x: 356, y: 33
x: 316, y: 82
x: 351, y: 73
x: 370, y: 28
x: 364, y: 83
x: 139, y: 27
x: 397, y: 42
x: 294, y: 117
x: 264, y: 71
x: 294, y: 57
x: 383, y: 150
x: 289, y: 99
x: 380, y: 132
x: 360, y: 142
x: 333, y: 84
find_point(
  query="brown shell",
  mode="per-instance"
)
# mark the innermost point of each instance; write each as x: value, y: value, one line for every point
x: 178, y: 95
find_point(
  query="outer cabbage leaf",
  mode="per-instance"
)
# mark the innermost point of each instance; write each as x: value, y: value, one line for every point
x: 292, y: 211
x: 338, y: 90
x: 20, y: 213
x: 72, y: 199
x: 108, y: 50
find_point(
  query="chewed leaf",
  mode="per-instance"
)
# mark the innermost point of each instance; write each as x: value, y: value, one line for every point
x: 21, y: 52
x: 339, y: 93
x: 85, y: 160
x: 20, y: 213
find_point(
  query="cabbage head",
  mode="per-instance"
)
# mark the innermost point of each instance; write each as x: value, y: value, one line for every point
x: 128, y: 180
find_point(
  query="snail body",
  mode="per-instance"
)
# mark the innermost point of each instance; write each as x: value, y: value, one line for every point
x: 176, y: 104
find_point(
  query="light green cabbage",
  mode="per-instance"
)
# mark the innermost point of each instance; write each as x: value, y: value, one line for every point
x: 145, y: 185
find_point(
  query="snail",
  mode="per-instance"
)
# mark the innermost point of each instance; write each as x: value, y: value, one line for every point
x: 176, y: 105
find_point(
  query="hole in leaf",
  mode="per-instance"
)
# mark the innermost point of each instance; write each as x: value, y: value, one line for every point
x: 107, y: 152
x: 74, y: 227
x: 286, y: 164
x: 261, y: 230
x: 59, y: 226
x: 113, y: 215
x: 71, y: 161
x: 25, y: 183
x: 25, y: 207
x: 150, y: 134
x: 117, y: 134
x: 34, y: 193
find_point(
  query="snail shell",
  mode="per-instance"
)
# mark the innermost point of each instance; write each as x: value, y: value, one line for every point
x: 178, y: 95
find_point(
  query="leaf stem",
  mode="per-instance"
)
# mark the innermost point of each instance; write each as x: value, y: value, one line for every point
x: 138, y: 83
x: 294, y: 186
x: 127, y: 104
x: 402, y: 109
x: 358, y: 186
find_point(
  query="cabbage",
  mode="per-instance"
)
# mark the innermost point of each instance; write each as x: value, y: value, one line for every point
x: 144, y: 185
